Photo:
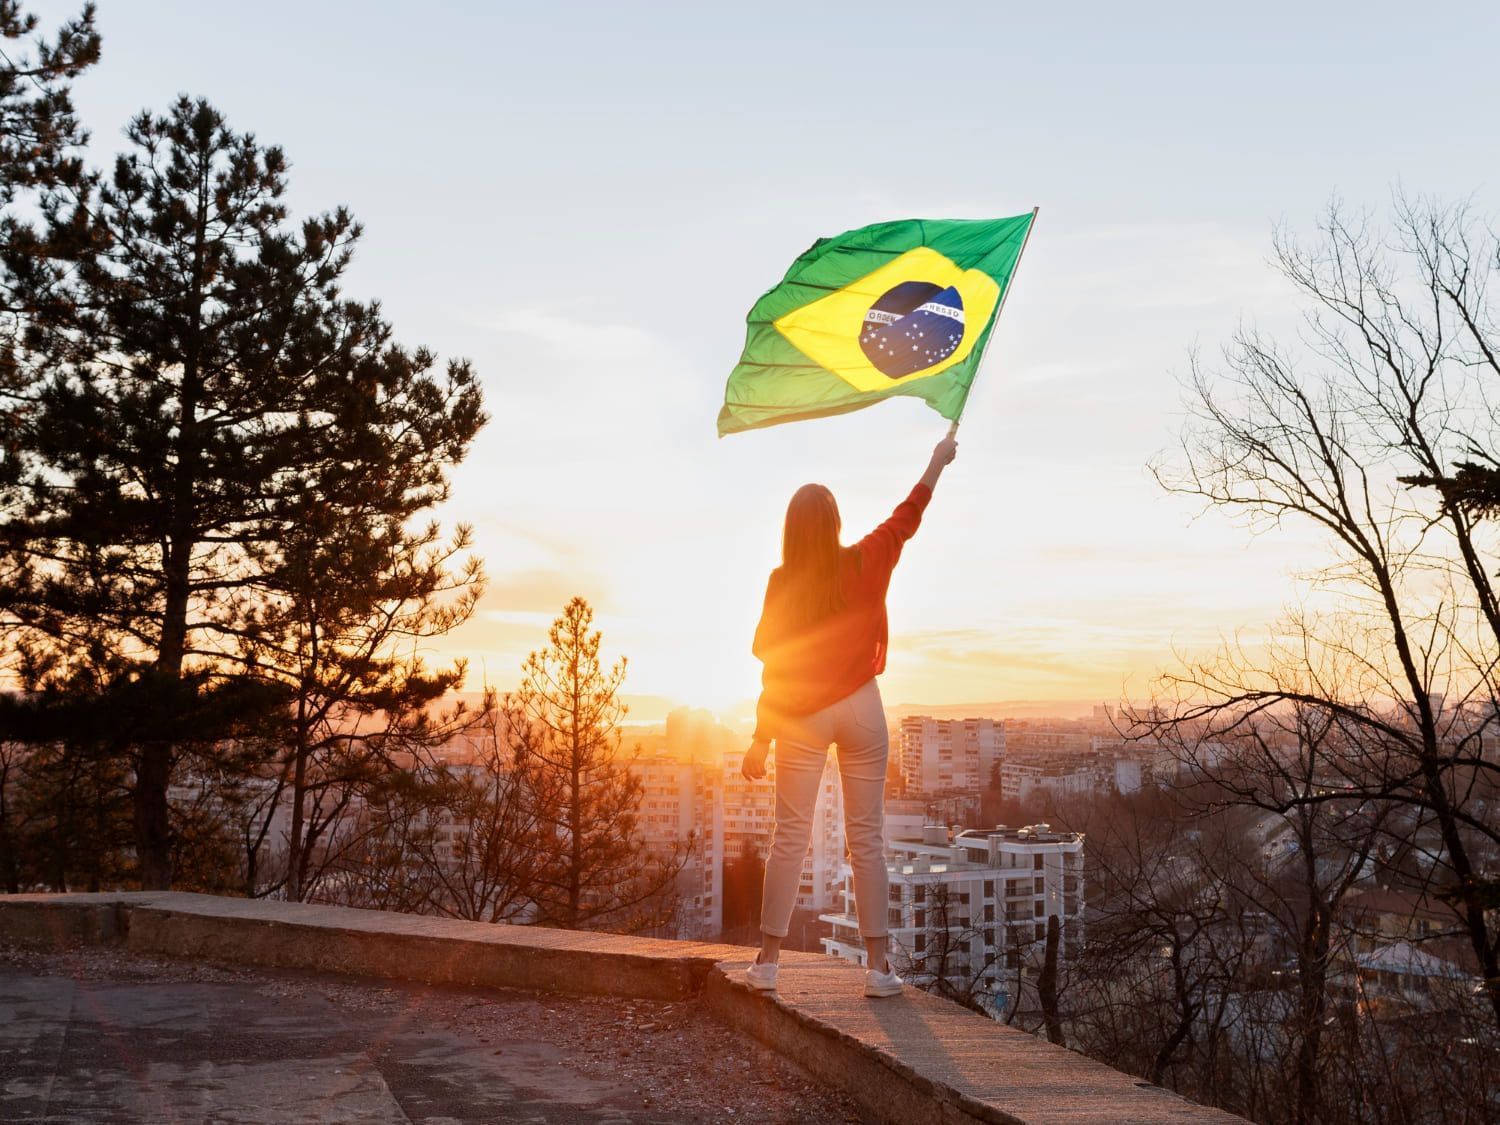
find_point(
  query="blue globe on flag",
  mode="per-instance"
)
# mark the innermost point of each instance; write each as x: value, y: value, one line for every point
x: 911, y: 327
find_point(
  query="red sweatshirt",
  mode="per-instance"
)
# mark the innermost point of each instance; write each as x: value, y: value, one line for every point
x: 807, y: 669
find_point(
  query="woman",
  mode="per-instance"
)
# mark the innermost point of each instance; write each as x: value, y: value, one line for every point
x: 822, y: 639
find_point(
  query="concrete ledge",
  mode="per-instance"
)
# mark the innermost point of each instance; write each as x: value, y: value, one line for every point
x: 372, y: 943
x: 919, y: 1058
x: 58, y: 921
x: 909, y: 1059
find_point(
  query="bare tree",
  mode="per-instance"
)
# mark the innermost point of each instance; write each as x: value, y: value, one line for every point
x: 382, y: 863
x: 485, y: 867
x: 1317, y: 834
x: 1168, y: 944
x: 1392, y: 380
x: 957, y: 955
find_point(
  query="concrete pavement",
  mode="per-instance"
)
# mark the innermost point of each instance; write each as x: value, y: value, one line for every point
x: 120, y: 1040
x: 160, y: 1052
x: 905, y: 1060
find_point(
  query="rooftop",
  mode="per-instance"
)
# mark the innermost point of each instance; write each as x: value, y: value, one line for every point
x: 96, y: 1034
x: 1403, y: 957
x: 913, y: 1059
x: 1027, y: 834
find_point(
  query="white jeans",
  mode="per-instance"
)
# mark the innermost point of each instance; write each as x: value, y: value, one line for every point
x: 857, y: 724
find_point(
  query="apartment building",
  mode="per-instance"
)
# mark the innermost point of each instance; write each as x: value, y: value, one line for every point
x: 678, y: 810
x: 1021, y: 780
x: 974, y: 905
x: 749, y: 816
x: 747, y: 808
x: 904, y: 820
x: 943, y: 755
x: 729, y: 817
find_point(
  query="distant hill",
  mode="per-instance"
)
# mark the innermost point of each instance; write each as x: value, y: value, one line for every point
x: 1015, y: 709
x: 651, y: 710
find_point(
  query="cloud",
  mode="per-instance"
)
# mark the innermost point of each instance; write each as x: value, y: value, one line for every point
x: 1159, y: 266
x: 539, y: 591
x: 579, y: 340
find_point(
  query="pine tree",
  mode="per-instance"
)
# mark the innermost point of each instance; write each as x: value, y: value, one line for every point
x: 194, y: 384
x: 351, y: 582
x: 41, y: 171
x: 39, y: 134
x: 351, y: 588
x: 568, y: 711
x: 64, y: 814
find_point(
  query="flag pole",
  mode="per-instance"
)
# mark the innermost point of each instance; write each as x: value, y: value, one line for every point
x: 953, y: 428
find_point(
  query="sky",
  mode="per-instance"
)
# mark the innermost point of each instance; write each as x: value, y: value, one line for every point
x: 585, y: 200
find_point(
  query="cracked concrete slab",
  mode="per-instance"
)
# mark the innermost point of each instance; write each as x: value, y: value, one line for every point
x: 109, y: 1036
x: 159, y: 1052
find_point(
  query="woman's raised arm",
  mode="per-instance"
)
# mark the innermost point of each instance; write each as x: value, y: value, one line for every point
x: 942, y: 456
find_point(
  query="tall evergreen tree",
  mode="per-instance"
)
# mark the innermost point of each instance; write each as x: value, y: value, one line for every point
x: 196, y: 383
x: 40, y: 170
x: 64, y: 809
x: 350, y: 586
x: 39, y: 133
x: 567, y: 725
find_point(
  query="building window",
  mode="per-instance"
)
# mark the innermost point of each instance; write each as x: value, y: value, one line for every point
x: 921, y: 943
x: 989, y: 912
x: 1036, y: 861
x: 895, y: 892
x: 1041, y: 886
x: 989, y: 888
x: 1040, y: 909
x: 894, y: 918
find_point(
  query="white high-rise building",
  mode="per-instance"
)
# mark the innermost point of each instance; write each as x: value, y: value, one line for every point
x: 749, y: 816
x: 974, y: 907
x: 728, y: 817
x: 678, y: 809
x: 904, y: 820
x: 822, y: 870
x: 1019, y: 780
x: 748, y: 809
x: 942, y: 755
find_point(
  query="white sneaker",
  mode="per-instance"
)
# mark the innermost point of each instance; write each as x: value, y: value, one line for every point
x: 761, y: 975
x: 879, y: 983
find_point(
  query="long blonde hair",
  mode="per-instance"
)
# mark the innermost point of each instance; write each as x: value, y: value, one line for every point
x: 810, y: 553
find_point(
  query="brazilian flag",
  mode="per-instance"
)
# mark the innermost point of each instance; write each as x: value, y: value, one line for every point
x: 900, y: 308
